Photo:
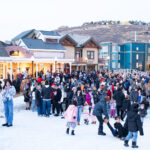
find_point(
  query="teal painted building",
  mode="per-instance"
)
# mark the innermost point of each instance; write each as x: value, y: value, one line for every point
x: 109, y: 54
x: 133, y: 56
x: 126, y: 56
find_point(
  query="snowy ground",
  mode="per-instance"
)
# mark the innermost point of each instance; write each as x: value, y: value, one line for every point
x: 31, y: 132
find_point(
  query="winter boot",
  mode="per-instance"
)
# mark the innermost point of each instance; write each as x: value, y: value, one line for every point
x: 6, y: 124
x: 134, y: 145
x: 72, y: 133
x: 67, y: 131
x: 126, y: 143
x: 86, y: 121
x: 101, y: 133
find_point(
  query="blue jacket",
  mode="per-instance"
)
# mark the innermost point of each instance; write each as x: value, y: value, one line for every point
x: 101, y: 107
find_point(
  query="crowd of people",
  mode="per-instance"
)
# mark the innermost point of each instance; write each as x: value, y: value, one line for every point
x: 95, y: 96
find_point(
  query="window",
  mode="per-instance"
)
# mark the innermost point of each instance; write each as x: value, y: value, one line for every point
x: 137, y: 65
x: 14, y: 53
x: 114, y: 49
x: 119, y: 57
x: 1, y: 71
x: 149, y: 50
x: 113, y: 56
x: 113, y: 65
x: 90, y: 54
x: 137, y: 48
x: 118, y: 65
x: 104, y: 49
x: 137, y: 56
x: 51, y: 40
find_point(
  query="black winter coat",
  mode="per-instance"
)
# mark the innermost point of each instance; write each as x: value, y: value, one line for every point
x: 146, y: 104
x: 134, y: 96
x: 80, y: 100
x: 133, y: 121
x: 122, y: 132
x: 46, y: 92
x: 119, y: 97
x: 38, y: 98
x: 58, y: 95
x: 27, y: 96
x: 126, y: 105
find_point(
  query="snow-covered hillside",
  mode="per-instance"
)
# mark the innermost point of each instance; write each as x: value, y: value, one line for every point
x: 31, y: 132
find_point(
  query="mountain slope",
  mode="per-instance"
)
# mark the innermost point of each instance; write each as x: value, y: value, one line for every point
x: 117, y: 33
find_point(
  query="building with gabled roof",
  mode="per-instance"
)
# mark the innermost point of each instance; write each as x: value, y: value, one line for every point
x: 83, y: 49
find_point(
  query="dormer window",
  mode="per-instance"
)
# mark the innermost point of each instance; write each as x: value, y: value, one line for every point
x: 51, y: 40
x: 14, y: 53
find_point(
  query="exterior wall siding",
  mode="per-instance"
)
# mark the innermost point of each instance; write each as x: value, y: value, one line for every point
x: 91, y: 61
x: 70, y: 52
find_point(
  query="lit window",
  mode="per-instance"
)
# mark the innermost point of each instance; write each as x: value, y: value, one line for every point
x: 137, y: 56
x: 113, y: 65
x: 14, y: 53
x: 137, y: 48
x: 137, y: 65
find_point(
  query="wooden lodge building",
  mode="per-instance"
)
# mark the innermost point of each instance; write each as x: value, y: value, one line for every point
x: 33, y: 51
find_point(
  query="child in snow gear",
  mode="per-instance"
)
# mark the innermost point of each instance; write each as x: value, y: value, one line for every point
x: 86, y: 113
x: 133, y: 123
x: 119, y: 131
x: 71, y: 115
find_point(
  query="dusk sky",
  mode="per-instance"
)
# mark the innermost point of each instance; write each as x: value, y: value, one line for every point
x: 20, y: 15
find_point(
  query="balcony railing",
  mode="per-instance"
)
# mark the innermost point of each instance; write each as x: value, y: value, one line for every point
x: 101, y: 60
x: 80, y: 60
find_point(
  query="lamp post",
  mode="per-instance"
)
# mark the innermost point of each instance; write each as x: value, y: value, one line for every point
x: 32, y: 59
x: 55, y: 62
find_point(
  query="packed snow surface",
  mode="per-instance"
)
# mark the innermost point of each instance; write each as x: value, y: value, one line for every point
x: 31, y: 132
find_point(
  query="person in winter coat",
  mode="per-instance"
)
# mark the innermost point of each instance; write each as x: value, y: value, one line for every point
x: 33, y: 89
x: 27, y: 98
x: 90, y: 99
x: 56, y: 100
x: 18, y: 83
x: 71, y: 116
x: 119, y: 97
x: 68, y: 91
x: 7, y: 95
x: 134, y: 95
x: 38, y: 100
x: 119, y: 130
x: 46, y: 96
x: 80, y: 102
x: 134, y: 124
x: 126, y: 106
x: 146, y: 103
x: 112, y: 108
x: 99, y: 110
x: 142, y: 112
